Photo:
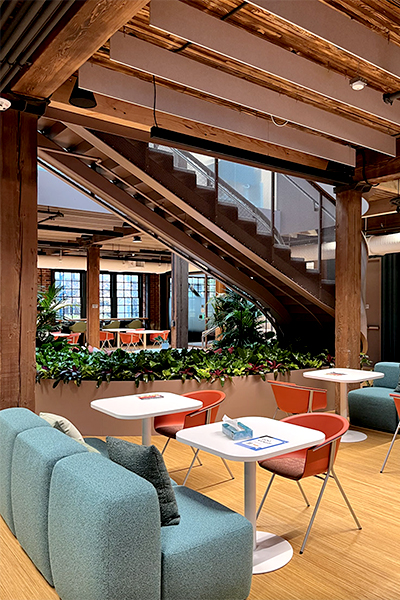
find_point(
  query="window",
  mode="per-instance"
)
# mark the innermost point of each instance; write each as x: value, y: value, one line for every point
x: 105, y: 296
x: 128, y: 301
x: 70, y: 282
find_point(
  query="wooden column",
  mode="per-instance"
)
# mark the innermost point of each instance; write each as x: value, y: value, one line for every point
x: 348, y: 281
x: 18, y: 258
x: 179, y: 302
x: 93, y: 296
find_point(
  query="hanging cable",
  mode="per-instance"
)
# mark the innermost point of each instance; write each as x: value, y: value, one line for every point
x: 154, y: 101
x: 277, y: 124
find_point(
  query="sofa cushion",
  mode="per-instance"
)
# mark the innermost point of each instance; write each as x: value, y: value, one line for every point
x: 36, y: 451
x: 392, y: 374
x: 104, y: 531
x: 63, y: 425
x: 209, y: 555
x: 373, y: 407
x: 97, y: 445
x: 12, y: 422
x: 147, y: 462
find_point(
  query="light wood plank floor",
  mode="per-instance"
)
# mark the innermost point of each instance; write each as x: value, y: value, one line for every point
x: 339, y: 563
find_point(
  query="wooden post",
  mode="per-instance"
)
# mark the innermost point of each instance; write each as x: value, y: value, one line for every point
x: 348, y: 281
x: 93, y: 296
x: 220, y: 288
x: 18, y: 258
x: 179, y: 302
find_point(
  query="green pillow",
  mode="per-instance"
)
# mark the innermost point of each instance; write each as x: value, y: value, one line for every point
x: 63, y: 425
x: 147, y: 462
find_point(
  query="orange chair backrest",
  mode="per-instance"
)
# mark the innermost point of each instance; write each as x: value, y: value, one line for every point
x: 106, y: 335
x: 293, y: 398
x: 73, y: 338
x: 209, y: 398
x: 396, y: 398
x: 163, y: 334
x: 333, y: 426
x: 130, y: 338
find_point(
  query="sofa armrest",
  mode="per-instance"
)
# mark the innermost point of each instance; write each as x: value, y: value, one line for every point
x: 104, y: 531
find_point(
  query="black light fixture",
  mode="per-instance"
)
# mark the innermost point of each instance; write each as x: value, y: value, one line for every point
x: 82, y: 98
x: 136, y: 239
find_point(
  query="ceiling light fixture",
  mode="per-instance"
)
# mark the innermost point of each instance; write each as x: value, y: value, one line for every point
x: 357, y: 83
x: 136, y: 239
x: 82, y: 98
x: 4, y: 104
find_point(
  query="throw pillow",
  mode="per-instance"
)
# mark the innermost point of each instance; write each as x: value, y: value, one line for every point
x: 147, y: 462
x: 63, y: 425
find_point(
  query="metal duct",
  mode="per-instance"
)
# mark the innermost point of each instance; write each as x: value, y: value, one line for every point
x: 378, y: 245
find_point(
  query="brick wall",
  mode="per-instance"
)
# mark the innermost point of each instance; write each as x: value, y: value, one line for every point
x: 154, y: 301
x: 43, y: 278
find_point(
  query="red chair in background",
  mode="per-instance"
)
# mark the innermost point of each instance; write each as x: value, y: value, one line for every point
x: 169, y: 425
x: 105, y: 338
x: 73, y: 338
x: 295, y: 399
x: 318, y: 460
x: 396, y: 398
x: 130, y: 341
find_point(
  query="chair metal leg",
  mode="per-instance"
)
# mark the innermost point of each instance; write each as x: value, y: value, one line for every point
x: 265, y: 495
x: 227, y: 468
x: 303, y: 493
x: 346, y: 499
x: 276, y: 410
x: 191, y: 466
x: 166, y: 444
x: 314, y: 513
x: 391, y: 446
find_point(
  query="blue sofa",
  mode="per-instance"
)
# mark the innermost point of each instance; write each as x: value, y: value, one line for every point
x: 372, y: 407
x: 92, y: 528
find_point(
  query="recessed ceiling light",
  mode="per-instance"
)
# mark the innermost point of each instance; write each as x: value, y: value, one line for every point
x: 4, y: 104
x: 357, y: 83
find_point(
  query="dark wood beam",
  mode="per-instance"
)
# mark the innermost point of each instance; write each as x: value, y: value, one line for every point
x: 179, y: 302
x: 88, y: 29
x: 374, y: 167
x: 348, y: 283
x: 382, y: 224
x: 18, y: 251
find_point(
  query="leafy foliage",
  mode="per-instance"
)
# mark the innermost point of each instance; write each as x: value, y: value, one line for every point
x: 77, y: 364
x: 47, y: 319
x: 239, y: 321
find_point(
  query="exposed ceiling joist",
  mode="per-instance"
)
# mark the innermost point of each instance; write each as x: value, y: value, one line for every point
x: 338, y: 29
x: 179, y: 69
x: 237, y: 44
x: 140, y: 120
x: 120, y: 86
x: 86, y: 31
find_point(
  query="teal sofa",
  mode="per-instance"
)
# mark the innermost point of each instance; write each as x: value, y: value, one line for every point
x: 92, y: 528
x: 373, y: 407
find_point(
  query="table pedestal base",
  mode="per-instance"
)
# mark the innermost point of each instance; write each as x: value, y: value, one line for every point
x: 353, y: 436
x: 271, y: 553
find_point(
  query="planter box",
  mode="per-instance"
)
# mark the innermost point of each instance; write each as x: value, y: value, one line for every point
x: 245, y: 396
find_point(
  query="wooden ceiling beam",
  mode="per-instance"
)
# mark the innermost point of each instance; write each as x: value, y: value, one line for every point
x: 196, y: 76
x: 88, y: 29
x: 120, y: 86
x: 132, y: 120
x: 237, y: 44
x: 374, y: 167
x: 338, y: 29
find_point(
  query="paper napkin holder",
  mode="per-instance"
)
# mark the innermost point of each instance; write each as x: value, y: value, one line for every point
x: 244, y: 434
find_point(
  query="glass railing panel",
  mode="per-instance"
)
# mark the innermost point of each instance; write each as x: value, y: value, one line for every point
x: 297, y: 218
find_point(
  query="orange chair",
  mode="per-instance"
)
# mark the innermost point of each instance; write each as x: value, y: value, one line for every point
x: 164, y: 335
x: 73, y: 338
x: 294, y: 399
x: 318, y: 460
x: 169, y: 425
x: 396, y: 398
x: 105, y: 338
x: 130, y: 340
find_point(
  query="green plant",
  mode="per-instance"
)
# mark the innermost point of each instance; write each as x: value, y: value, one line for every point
x: 239, y: 321
x: 47, y: 319
x: 67, y: 364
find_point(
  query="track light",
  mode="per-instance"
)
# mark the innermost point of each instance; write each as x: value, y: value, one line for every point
x: 357, y: 83
x: 82, y: 98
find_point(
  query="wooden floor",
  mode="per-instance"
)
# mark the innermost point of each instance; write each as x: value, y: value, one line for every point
x: 339, y: 563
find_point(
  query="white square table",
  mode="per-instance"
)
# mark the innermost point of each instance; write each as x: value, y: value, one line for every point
x: 271, y: 552
x: 145, y: 407
x: 343, y: 377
